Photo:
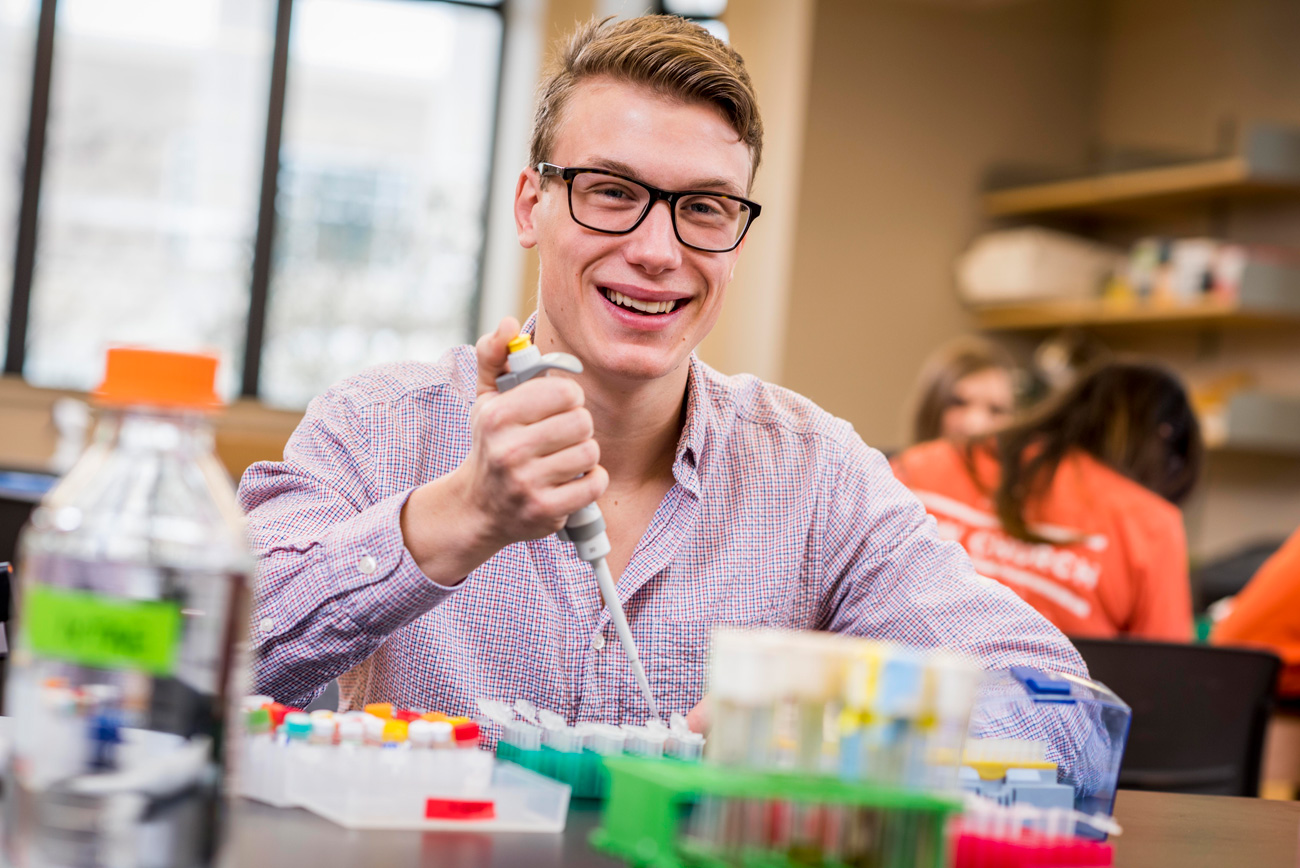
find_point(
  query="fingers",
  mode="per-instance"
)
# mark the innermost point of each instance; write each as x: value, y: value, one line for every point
x: 492, y: 352
x: 531, y: 402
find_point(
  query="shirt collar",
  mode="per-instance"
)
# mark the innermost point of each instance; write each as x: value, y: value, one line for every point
x: 693, y: 442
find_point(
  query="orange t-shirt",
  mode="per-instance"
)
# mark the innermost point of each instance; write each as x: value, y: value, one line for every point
x: 1267, y: 612
x: 1117, y: 563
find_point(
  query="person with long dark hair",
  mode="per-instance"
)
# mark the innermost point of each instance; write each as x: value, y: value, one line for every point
x: 1075, y: 506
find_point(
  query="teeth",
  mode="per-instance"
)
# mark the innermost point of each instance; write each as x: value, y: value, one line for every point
x: 636, y: 304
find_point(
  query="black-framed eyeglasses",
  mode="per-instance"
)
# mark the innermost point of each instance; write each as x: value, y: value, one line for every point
x: 616, y: 205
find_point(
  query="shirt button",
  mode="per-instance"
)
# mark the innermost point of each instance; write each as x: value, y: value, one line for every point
x: 598, y: 641
x: 367, y: 565
x: 266, y: 625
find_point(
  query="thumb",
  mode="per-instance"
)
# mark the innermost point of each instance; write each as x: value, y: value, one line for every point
x: 492, y: 353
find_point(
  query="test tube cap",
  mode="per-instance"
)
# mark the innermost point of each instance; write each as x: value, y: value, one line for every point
x: 441, y: 732
x: 420, y: 733
x: 258, y: 720
x: 465, y: 732
x: 395, y: 730
x: 297, y: 725
x: 373, y: 727
x: 380, y: 709
x: 323, y: 728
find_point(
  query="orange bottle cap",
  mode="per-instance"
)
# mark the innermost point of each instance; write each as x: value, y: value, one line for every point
x: 380, y: 709
x: 433, y: 716
x: 157, y: 378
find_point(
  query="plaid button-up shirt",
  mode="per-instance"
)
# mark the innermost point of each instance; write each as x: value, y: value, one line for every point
x: 779, y: 516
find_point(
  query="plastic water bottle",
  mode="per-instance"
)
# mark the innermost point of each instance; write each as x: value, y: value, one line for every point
x: 131, y: 644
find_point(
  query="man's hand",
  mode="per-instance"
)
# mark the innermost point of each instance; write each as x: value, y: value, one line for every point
x: 521, y: 478
x: 700, y: 718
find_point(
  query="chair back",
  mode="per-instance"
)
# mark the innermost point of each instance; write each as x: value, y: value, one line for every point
x: 1199, y: 712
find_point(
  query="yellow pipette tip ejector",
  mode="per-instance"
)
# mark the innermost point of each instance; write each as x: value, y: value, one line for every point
x: 520, y: 342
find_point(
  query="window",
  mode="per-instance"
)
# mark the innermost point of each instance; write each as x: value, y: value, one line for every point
x: 161, y: 154
x: 383, y: 179
x: 149, y: 197
x: 17, y: 43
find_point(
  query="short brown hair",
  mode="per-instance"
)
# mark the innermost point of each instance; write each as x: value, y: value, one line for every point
x: 951, y: 363
x: 673, y: 57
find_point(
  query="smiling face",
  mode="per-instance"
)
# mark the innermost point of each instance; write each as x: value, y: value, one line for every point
x: 599, y: 292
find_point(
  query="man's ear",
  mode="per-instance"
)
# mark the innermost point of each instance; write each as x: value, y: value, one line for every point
x: 528, y: 195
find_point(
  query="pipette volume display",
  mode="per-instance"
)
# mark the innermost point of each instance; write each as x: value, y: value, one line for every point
x: 586, y: 527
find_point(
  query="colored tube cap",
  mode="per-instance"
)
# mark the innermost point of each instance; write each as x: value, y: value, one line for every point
x: 158, y: 378
x: 258, y: 720
x: 520, y: 342
x: 380, y: 709
x: 406, y: 715
x: 395, y: 730
x: 467, y: 731
x: 434, y: 716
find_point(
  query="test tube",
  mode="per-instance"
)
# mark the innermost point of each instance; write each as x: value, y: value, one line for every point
x: 352, y: 731
x: 687, y: 746
x: 374, y: 729
x: 605, y: 738
x: 297, y: 727
x: 257, y: 721
x: 323, y: 730
x: 442, y: 734
x: 419, y: 734
x: 642, y: 741
x: 466, y: 734
x: 394, y: 733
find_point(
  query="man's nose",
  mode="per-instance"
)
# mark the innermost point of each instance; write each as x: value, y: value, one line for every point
x: 654, y: 245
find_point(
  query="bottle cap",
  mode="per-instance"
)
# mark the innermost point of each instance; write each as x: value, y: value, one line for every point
x: 395, y: 730
x: 158, y: 378
x: 420, y: 733
x: 467, y: 731
x: 258, y: 720
x: 406, y: 715
x: 297, y: 725
x: 520, y: 342
x: 278, y: 711
x: 433, y: 716
x: 441, y: 731
x: 380, y: 709
x: 373, y: 727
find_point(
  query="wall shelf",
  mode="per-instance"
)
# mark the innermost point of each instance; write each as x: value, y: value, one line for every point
x: 1269, y: 295
x: 1255, y: 422
x: 1269, y: 163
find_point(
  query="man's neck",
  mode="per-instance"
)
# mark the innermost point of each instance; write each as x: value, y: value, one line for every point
x: 637, y: 422
x: 637, y: 428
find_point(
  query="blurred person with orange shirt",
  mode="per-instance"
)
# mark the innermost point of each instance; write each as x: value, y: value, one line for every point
x: 966, y: 389
x: 1267, y: 613
x: 1075, y: 506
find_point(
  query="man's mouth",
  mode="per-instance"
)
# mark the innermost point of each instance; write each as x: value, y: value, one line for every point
x: 646, y: 308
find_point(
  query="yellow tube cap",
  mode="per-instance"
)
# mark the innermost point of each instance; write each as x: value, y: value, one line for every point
x: 520, y: 342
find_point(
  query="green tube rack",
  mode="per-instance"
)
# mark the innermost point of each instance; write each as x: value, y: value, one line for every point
x: 645, y: 806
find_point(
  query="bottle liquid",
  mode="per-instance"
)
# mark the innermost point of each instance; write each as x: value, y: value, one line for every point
x: 130, y: 653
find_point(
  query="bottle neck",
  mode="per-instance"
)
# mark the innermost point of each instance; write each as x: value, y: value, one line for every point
x: 145, y: 429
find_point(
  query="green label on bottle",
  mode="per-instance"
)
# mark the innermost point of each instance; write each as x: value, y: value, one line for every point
x: 105, y: 632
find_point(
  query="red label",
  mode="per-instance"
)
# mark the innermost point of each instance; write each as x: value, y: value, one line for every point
x: 458, y: 809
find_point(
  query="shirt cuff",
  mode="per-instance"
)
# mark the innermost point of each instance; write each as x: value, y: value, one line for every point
x: 378, y: 582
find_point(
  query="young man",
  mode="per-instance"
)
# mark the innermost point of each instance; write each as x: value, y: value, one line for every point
x: 407, y: 540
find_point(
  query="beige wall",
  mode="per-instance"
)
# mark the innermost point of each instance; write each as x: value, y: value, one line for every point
x: 1176, y: 73
x: 910, y: 104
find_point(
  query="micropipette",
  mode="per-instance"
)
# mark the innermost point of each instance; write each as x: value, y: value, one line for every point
x: 586, y: 527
